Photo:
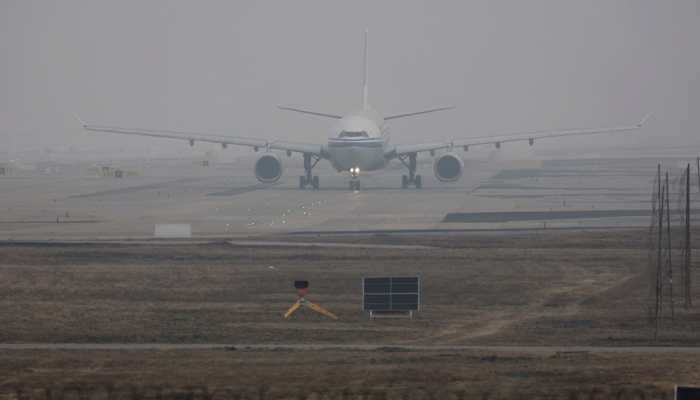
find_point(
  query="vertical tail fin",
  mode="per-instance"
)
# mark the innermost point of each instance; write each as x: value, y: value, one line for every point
x: 365, y: 82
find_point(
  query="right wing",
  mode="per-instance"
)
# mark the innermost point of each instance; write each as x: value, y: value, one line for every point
x: 223, y: 140
x: 516, y: 137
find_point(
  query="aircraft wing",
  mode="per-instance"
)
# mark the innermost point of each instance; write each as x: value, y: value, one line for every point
x: 193, y: 137
x: 514, y: 137
x: 307, y: 148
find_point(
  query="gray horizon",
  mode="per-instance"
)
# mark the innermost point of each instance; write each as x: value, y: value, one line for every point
x: 224, y: 67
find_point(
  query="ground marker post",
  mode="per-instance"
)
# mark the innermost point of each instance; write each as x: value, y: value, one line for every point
x: 302, y: 287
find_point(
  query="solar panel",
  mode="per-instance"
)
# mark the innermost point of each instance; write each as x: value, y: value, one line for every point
x: 377, y: 302
x: 377, y: 285
x: 391, y: 294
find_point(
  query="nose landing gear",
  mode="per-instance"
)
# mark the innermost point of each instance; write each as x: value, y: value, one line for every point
x: 409, y: 160
x: 309, y: 179
x: 354, y: 178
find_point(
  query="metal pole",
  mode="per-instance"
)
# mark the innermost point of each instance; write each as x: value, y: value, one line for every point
x: 688, y: 249
x: 668, y: 244
x: 651, y: 245
x: 658, y: 250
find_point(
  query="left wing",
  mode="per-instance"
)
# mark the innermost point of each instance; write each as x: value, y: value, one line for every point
x: 316, y: 113
x: 223, y: 140
x: 515, y: 137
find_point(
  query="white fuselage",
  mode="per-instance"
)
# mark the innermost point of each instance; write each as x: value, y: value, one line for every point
x: 358, y: 140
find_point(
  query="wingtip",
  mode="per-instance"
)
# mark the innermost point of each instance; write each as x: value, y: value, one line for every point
x: 82, y: 123
x: 644, y: 120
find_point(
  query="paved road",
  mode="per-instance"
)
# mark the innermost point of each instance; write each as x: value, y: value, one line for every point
x: 542, y: 350
x: 150, y: 240
x: 268, y: 243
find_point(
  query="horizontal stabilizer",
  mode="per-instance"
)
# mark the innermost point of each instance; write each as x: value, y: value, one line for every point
x: 397, y: 116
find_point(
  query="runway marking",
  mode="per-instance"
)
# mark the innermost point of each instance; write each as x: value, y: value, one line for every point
x: 347, y: 347
x: 241, y: 190
x: 132, y: 189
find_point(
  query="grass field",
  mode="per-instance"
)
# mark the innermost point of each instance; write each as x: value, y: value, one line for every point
x: 546, y: 288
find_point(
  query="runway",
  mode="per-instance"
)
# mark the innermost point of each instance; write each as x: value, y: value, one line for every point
x: 242, y: 243
x: 225, y: 200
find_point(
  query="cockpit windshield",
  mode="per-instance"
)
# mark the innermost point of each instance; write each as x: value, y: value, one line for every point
x: 351, y: 134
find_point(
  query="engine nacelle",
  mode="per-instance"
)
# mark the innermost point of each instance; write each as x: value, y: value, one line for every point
x: 268, y: 168
x: 448, y: 167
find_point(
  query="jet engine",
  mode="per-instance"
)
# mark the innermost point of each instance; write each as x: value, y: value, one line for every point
x: 268, y: 168
x: 448, y: 167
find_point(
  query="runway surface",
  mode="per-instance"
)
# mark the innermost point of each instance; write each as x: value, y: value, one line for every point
x: 225, y: 200
x: 244, y: 243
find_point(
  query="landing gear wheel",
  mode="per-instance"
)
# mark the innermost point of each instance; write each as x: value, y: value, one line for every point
x: 357, y: 185
x: 310, y: 161
x: 354, y: 185
x: 410, y: 161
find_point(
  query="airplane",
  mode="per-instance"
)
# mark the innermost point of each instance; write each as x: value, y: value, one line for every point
x: 359, y: 141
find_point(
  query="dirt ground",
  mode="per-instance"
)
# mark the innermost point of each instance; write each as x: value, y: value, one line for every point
x: 388, y: 374
x: 561, y: 288
x: 546, y: 288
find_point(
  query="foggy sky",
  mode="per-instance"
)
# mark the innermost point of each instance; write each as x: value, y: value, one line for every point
x: 224, y: 66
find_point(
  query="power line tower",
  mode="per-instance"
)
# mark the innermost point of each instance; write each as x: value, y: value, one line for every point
x: 668, y: 265
x: 686, y: 248
x: 653, y: 253
x: 660, y: 249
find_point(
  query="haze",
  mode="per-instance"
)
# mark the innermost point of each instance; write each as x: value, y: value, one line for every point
x: 224, y: 66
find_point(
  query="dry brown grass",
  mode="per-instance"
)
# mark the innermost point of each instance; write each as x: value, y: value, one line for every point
x: 548, y: 288
x: 495, y: 289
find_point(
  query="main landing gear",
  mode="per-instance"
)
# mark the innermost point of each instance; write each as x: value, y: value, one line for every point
x: 310, y: 161
x: 409, y: 160
x: 355, y: 178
